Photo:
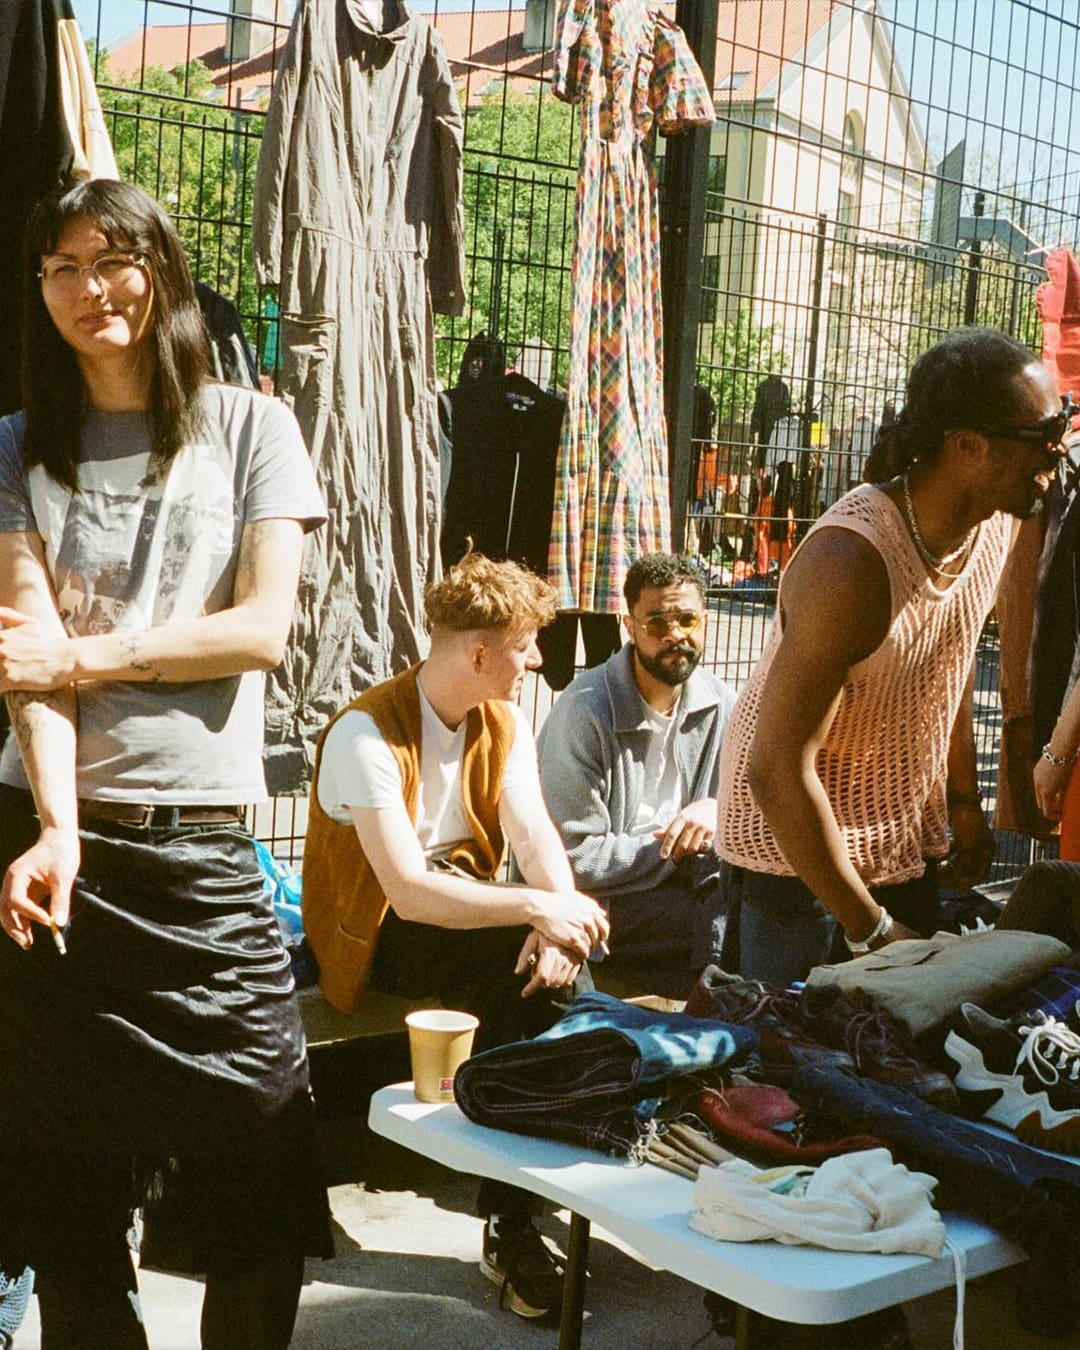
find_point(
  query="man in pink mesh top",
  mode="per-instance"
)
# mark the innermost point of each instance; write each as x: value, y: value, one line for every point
x: 848, y: 770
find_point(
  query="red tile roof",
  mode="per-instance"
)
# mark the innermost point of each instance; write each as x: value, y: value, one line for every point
x: 757, y: 36
x: 754, y: 37
x: 175, y: 44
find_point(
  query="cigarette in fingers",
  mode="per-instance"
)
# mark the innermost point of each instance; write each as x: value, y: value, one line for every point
x: 57, y: 937
x: 531, y: 960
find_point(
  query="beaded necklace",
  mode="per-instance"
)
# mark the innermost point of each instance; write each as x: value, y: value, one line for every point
x: 936, y: 564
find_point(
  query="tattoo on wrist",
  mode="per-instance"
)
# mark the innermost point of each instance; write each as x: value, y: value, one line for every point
x: 138, y: 663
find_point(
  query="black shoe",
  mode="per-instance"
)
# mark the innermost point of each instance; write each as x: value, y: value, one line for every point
x: 519, y: 1261
x: 1023, y: 1073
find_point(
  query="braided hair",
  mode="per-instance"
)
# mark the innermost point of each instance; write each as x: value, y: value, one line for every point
x: 965, y: 380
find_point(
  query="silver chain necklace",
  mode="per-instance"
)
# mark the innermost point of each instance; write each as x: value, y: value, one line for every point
x: 936, y: 564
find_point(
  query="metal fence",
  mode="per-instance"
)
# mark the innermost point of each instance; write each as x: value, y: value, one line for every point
x: 878, y: 173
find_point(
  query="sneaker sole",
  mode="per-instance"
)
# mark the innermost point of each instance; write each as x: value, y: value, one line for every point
x: 509, y: 1296
x: 1031, y: 1115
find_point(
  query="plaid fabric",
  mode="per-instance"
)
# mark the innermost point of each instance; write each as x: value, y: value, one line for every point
x: 631, y: 70
x: 1057, y: 994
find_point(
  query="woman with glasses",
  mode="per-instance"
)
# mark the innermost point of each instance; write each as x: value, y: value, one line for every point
x: 151, y: 1054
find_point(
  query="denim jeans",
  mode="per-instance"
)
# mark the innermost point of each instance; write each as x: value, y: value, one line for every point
x: 777, y: 929
x: 597, y: 1076
x: 980, y: 1172
x: 1031, y: 1196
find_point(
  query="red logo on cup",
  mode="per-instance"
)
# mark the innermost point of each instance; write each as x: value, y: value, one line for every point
x: 446, y: 1085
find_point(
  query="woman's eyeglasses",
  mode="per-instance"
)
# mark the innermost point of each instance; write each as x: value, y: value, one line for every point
x: 111, y: 269
x: 659, y: 625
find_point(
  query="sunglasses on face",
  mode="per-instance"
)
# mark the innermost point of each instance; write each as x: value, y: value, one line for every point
x: 1049, y: 433
x: 659, y: 625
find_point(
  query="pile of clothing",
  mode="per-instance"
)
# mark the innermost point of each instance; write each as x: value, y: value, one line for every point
x: 843, y: 1099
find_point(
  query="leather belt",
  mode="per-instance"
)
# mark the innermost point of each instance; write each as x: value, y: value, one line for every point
x: 158, y: 817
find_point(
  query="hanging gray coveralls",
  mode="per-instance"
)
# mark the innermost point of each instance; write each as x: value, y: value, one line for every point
x: 358, y: 216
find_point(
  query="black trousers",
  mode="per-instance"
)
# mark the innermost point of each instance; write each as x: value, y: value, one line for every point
x: 159, y: 1065
x: 472, y: 970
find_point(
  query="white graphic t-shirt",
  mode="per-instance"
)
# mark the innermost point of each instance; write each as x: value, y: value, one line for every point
x: 127, y: 552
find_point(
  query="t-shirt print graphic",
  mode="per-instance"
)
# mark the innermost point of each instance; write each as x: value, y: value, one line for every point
x: 134, y: 559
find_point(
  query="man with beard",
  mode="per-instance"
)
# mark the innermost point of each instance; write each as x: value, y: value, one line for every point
x: 628, y: 764
x: 849, y: 771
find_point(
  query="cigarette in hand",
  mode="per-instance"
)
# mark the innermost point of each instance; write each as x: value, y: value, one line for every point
x: 57, y: 937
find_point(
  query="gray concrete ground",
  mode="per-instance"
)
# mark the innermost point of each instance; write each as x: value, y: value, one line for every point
x: 406, y: 1276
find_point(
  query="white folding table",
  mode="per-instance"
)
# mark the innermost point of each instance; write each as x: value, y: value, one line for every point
x: 649, y: 1210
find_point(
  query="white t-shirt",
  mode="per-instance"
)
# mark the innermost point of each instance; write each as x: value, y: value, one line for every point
x: 358, y: 768
x: 663, y: 795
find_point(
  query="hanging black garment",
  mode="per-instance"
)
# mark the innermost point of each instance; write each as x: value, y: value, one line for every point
x: 35, y: 152
x: 772, y: 401
x: 231, y: 356
x: 501, y: 496
x: 484, y: 359
x: 558, y: 644
x: 783, y: 496
x: 502, y: 482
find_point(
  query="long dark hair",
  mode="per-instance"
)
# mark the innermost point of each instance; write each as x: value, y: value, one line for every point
x: 53, y: 390
x: 967, y: 380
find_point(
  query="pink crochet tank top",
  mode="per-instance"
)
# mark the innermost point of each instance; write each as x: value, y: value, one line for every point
x: 883, y: 763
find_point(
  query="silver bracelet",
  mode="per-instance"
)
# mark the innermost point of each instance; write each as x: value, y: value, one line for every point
x: 881, y: 929
x: 1058, y: 761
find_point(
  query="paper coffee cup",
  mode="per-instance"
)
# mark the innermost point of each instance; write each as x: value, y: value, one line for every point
x: 439, y: 1043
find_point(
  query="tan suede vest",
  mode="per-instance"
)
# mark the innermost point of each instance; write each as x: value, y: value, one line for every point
x: 344, y: 904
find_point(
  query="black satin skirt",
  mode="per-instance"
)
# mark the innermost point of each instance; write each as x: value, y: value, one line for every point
x: 164, y: 1049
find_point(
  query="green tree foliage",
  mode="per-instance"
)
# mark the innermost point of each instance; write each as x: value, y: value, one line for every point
x: 198, y: 159
x: 520, y: 175
x: 733, y: 360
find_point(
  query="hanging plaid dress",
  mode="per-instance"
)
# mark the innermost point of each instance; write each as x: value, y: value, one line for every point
x: 631, y: 70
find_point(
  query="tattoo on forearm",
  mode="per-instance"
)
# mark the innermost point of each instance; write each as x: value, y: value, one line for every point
x: 139, y: 664
x: 29, y: 711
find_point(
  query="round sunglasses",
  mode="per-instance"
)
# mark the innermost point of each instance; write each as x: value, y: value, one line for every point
x: 659, y: 625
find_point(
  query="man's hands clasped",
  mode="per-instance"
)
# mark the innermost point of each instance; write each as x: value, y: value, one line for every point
x: 566, y: 927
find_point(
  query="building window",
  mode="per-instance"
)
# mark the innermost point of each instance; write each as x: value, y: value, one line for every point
x: 717, y: 179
